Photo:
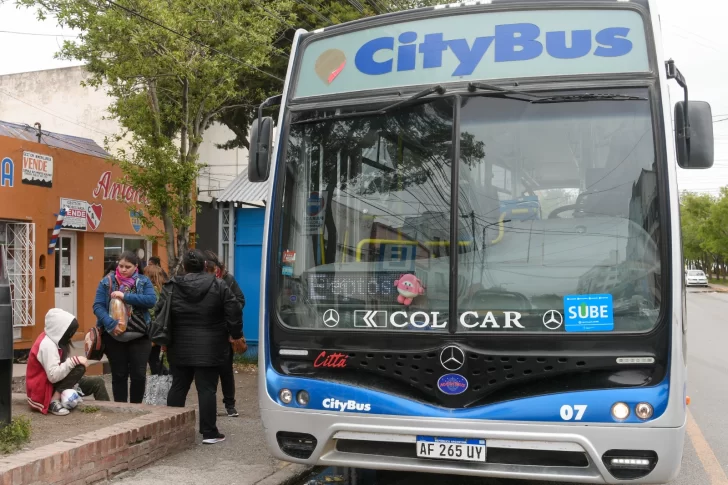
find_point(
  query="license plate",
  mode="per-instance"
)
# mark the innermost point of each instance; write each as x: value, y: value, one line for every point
x: 463, y: 449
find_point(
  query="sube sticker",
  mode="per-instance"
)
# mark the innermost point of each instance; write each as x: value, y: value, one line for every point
x: 589, y: 313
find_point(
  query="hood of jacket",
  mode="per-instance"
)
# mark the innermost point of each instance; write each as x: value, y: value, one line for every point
x: 57, y: 322
x: 194, y: 286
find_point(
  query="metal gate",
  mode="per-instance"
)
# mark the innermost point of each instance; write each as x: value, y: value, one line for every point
x: 20, y: 260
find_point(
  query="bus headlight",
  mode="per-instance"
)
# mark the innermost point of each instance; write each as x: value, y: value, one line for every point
x: 286, y: 396
x: 302, y: 398
x: 643, y: 410
x: 620, y: 411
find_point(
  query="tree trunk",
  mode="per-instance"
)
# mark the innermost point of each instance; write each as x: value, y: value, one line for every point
x: 169, y: 240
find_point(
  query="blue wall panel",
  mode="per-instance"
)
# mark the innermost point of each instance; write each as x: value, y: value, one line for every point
x: 248, y: 253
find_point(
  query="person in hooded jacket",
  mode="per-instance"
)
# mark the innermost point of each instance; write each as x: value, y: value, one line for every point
x: 51, y: 369
x: 227, y: 374
x: 204, y: 318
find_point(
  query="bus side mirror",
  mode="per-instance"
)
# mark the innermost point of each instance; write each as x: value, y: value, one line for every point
x: 694, y: 134
x: 261, y: 151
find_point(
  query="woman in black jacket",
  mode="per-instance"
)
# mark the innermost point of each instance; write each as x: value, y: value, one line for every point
x: 227, y: 374
x: 204, y: 318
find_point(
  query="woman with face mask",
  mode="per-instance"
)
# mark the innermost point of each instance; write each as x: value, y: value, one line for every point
x: 123, y: 300
x: 51, y: 369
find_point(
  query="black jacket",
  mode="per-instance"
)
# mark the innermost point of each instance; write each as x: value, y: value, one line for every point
x: 228, y: 278
x: 203, y: 315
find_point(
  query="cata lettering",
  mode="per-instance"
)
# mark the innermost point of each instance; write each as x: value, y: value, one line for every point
x: 336, y: 360
x: 510, y: 42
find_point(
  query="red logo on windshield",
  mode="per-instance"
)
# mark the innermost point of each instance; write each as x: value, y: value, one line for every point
x: 330, y: 64
x: 331, y: 361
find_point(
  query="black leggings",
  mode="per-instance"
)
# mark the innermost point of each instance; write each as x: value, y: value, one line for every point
x: 227, y: 382
x: 128, y: 361
x: 156, y: 366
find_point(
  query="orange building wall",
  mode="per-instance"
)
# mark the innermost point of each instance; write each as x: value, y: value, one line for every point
x: 75, y: 176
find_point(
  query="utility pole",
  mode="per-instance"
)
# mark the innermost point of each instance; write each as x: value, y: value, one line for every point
x: 6, y: 344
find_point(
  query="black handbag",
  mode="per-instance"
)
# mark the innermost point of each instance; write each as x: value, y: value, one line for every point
x: 159, y: 331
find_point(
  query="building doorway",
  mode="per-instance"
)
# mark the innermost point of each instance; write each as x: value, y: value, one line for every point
x: 66, y: 268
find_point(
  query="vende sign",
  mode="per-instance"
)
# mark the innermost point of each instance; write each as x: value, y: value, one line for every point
x: 108, y: 190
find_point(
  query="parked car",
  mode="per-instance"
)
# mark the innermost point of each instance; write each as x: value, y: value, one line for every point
x: 695, y: 277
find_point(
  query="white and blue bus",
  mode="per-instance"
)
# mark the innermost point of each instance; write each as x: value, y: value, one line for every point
x: 472, y: 258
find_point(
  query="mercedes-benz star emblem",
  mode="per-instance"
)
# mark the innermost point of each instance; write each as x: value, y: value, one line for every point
x: 452, y: 358
x: 553, y: 319
x: 331, y: 318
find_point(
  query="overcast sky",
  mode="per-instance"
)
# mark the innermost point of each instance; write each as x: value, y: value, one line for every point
x: 692, y: 35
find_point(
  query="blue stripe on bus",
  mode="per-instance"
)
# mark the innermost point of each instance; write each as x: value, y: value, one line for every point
x: 337, y: 397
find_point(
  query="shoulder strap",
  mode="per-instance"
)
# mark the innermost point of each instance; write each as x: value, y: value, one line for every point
x: 111, y: 283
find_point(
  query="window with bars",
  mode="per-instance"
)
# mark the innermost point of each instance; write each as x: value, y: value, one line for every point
x: 19, y: 255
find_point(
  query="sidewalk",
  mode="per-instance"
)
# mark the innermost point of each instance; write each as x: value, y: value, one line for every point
x: 242, y: 459
x: 719, y: 287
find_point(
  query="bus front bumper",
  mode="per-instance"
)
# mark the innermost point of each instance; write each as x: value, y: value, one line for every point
x: 513, y: 450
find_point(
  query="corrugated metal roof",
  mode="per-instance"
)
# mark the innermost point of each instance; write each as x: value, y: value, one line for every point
x: 57, y: 140
x: 243, y: 190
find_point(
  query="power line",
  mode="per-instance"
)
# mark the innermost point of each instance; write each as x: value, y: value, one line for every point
x: 53, y: 114
x: 357, y: 5
x: 329, y: 11
x: 80, y: 147
x: 278, y: 17
x: 190, y: 39
x: 376, y: 7
x: 314, y: 11
x: 36, y: 34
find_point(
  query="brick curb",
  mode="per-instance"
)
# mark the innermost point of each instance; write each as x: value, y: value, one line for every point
x: 101, y: 454
x: 288, y: 475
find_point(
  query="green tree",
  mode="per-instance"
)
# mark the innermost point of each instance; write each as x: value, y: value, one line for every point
x: 715, y: 230
x: 256, y: 87
x: 695, y: 211
x: 170, y: 77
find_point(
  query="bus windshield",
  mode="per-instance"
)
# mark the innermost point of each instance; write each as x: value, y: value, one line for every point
x: 557, y: 206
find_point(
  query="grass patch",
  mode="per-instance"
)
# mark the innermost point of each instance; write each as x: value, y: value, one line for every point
x: 90, y: 409
x: 246, y: 359
x: 14, y: 435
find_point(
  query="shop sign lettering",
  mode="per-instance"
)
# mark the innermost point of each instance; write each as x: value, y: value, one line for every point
x: 106, y: 189
x: 7, y: 172
x: 37, y: 169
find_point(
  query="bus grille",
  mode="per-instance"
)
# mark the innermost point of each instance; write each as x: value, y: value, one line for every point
x: 501, y: 456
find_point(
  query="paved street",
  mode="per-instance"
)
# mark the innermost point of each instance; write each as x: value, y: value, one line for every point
x: 706, y: 449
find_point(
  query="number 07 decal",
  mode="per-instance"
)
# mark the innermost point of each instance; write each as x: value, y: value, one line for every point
x: 567, y: 412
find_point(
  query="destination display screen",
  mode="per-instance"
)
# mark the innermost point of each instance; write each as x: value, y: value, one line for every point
x: 478, y: 46
x: 362, y: 286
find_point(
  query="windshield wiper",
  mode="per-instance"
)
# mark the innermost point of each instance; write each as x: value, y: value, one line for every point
x: 571, y: 98
x: 472, y: 87
x: 378, y: 112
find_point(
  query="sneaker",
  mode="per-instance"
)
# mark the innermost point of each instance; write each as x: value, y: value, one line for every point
x: 217, y: 439
x: 232, y: 412
x: 57, y: 408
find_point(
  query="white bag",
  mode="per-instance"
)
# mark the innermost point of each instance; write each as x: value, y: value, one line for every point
x: 157, y: 389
